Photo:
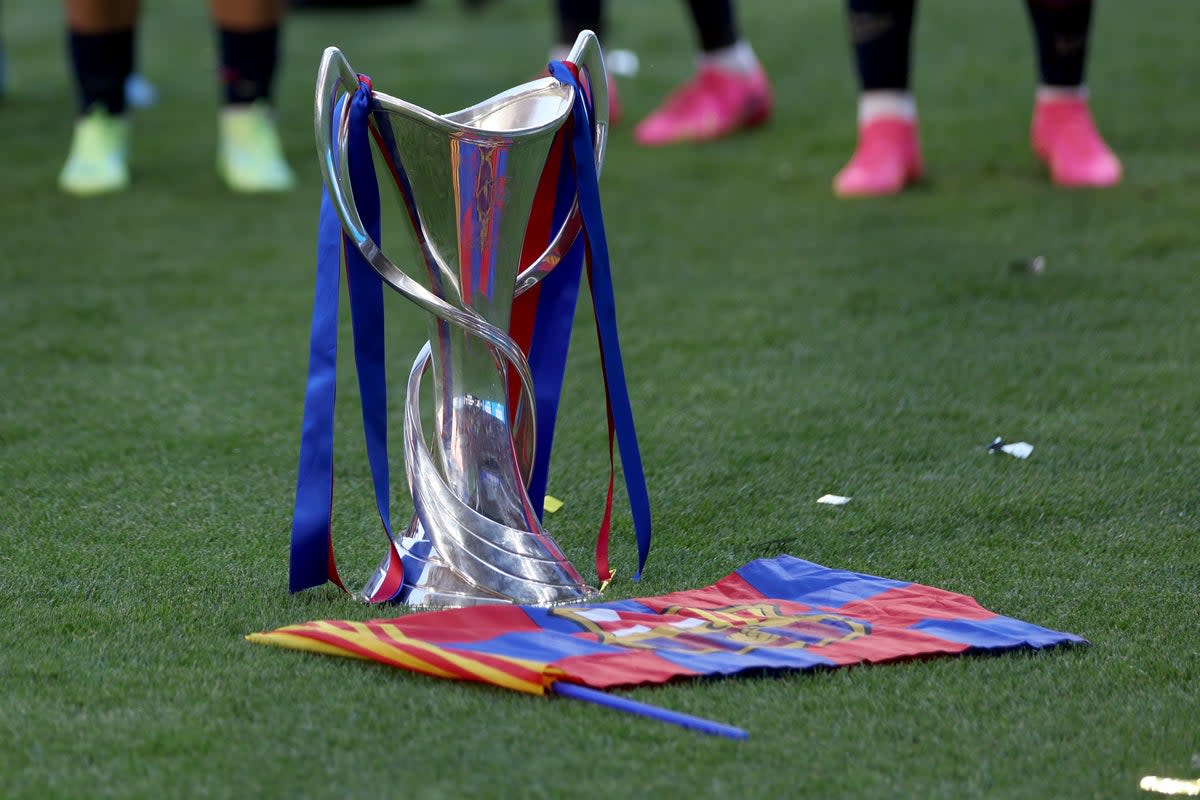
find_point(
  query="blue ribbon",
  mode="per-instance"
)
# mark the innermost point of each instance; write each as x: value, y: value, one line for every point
x: 604, y: 304
x: 552, y: 325
x: 311, y: 553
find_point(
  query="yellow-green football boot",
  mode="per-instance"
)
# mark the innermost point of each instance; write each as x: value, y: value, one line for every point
x: 97, y: 163
x: 249, y: 153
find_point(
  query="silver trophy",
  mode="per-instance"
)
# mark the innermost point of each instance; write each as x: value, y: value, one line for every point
x: 467, y: 180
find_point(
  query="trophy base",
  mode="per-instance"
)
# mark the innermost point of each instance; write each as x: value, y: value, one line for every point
x: 430, y: 582
x: 474, y: 538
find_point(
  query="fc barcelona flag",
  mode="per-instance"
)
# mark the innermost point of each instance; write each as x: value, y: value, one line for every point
x: 776, y: 614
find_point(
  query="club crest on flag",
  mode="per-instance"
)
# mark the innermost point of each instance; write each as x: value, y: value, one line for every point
x: 736, y: 629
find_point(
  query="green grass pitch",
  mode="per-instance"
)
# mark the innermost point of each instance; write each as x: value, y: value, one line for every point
x: 780, y: 344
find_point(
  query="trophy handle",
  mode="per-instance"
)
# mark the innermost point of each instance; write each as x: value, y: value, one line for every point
x: 335, y: 73
x: 588, y: 54
x: 548, y: 260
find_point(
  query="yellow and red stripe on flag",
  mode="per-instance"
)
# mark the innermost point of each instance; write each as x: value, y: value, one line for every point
x: 383, y: 641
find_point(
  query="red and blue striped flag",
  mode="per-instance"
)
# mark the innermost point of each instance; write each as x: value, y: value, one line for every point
x: 773, y: 614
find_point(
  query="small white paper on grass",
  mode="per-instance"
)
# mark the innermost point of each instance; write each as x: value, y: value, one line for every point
x: 1153, y: 783
x: 1014, y: 449
x: 833, y: 500
x: 1018, y: 449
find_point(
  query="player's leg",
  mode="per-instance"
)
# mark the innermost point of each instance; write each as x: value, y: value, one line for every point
x: 887, y: 156
x: 572, y: 17
x: 100, y: 37
x: 249, y: 153
x: 728, y: 92
x: 1063, y: 134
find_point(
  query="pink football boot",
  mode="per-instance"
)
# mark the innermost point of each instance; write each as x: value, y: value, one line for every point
x: 714, y: 103
x: 1065, y: 138
x: 886, y: 159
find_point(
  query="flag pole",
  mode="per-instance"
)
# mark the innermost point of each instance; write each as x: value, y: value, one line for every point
x: 577, y: 692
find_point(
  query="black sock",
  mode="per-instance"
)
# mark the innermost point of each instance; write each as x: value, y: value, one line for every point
x: 576, y: 16
x: 1060, y: 28
x: 248, y: 61
x: 102, y: 62
x: 881, y: 33
x: 715, y: 23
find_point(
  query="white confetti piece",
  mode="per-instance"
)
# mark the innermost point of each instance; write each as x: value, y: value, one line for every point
x: 1153, y: 783
x: 833, y: 500
x: 1014, y: 449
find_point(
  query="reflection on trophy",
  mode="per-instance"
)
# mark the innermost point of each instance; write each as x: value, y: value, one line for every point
x: 467, y: 183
